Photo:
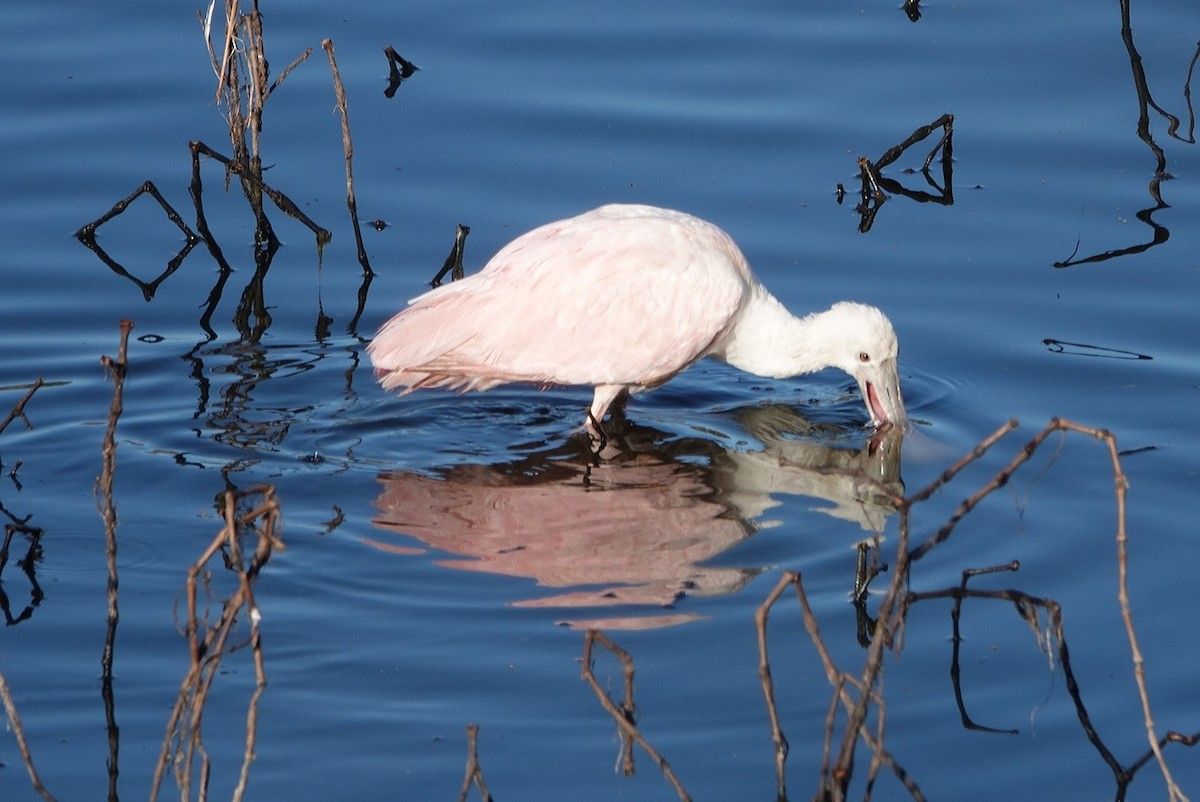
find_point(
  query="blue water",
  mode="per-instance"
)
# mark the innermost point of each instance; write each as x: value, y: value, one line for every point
x: 444, y: 553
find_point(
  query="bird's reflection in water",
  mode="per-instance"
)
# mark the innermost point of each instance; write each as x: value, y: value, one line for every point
x: 636, y: 527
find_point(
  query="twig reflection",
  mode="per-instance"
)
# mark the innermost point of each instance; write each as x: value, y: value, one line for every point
x: 20, y: 526
x: 1095, y: 351
x: 454, y: 262
x: 27, y: 564
x: 875, y: 186
x: 399, y: 69
x: 1146, y: 102
x: 87, y: 236
x: 236, y: 45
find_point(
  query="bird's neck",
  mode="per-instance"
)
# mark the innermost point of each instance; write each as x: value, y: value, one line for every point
x: 768, y: 340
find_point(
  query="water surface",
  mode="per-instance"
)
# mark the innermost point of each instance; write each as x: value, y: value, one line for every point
x: 445, y: 554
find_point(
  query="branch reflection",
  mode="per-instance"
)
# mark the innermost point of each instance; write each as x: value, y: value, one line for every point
x: 875, y: 187
x: 1146, y: 102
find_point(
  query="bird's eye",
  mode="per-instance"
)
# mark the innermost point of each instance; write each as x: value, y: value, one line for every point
x: 864, y: 357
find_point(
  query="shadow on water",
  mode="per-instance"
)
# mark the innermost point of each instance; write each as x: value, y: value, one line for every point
x: 637, y: 526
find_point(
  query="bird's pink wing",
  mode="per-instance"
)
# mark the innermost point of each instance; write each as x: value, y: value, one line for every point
x: 592, y: 300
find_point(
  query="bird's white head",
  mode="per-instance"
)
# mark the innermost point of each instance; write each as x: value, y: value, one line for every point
x: 861, y: 341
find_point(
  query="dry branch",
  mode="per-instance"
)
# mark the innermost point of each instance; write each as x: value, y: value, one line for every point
x: 474, y: 772
x: 119, y: 368
x: 768, y: 686
x: 14, y: 721
x: 183, y: 745
x: 454, y: 262
x: 893, y: 611
x: 18, y: 410
x: 624, y: 715
x: 836, y: 778
x: 340, y: 93
x: 282, y: 201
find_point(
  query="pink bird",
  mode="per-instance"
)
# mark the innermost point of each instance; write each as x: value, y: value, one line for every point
x: 623, y: 298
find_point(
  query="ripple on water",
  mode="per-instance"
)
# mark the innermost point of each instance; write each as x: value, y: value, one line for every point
x: 78, y: 554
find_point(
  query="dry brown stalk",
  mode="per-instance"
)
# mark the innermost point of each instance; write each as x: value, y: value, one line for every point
x: 768, y: 685
x: 1121, y: 487
x: 119, y: 368
x: 835, y: 778
x: 183, y: 745
x: 340, y: 93
x: 623, y: 716
x: 14, y: 721
x: 284, y: 203
x: 18, y: 411
x: 474, y: 773
x: 454, y: 262
x: 243, y: 52
x: 243, y: 88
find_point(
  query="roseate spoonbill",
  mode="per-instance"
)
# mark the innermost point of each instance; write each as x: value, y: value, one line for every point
x: 623, y: 298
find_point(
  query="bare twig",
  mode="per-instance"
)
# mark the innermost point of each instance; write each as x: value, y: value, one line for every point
x: 623, y: 716
x: 454, y: 262
x: 474, y: 773
x: 207, y: 651
x: 300, y: 59
x: 1121, y: 487
x: 999, y: 480
x: 835, y: 778
x: 282, y: 201
x: 945, y: 122
x: 88, y: 232
x: 873, y: 195
x: 18, y: 411
x: 108, y: 513
x: 340, y: 93
x: 14, y: 721
x: 963, y: 462
x: 768, y: 686
x: 893, y: 610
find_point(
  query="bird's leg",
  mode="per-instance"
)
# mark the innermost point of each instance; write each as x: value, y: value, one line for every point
x: 596, y: 434
x: 605, y: 396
